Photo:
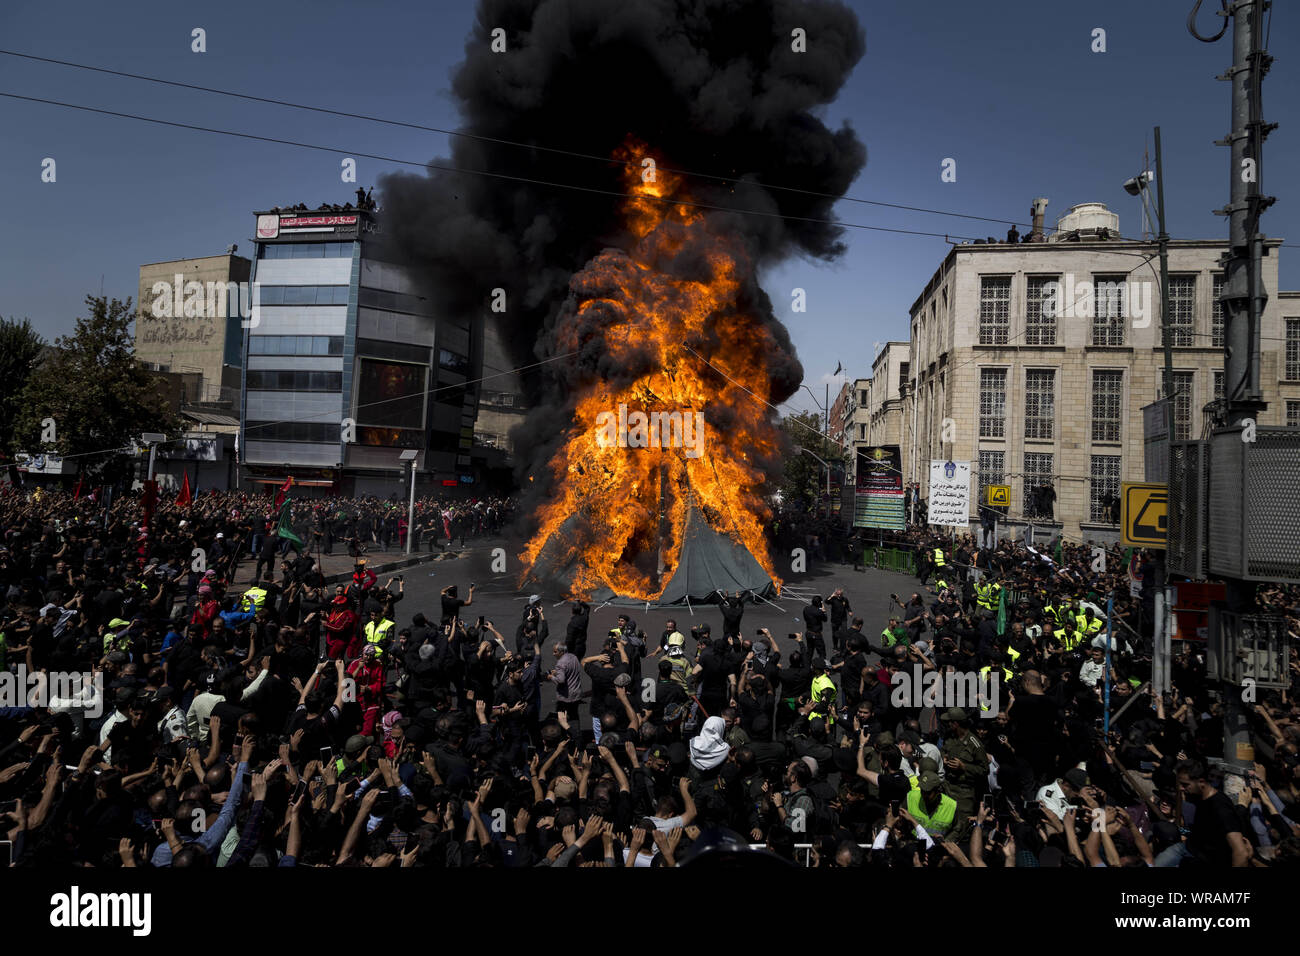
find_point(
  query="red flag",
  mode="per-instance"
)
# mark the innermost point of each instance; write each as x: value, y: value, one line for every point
x: 185, y: 497
x: 76, y: 492
x: 150, y: 499
x: 283, y: 492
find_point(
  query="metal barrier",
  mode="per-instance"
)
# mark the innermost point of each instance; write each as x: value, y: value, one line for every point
x: 890, y: 559
x: 803, y: 851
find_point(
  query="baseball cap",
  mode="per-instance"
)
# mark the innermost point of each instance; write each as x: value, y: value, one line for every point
x: 356, y: 743
x: 1076, y: 778
x: 930, y: 781
x: 954, y: 713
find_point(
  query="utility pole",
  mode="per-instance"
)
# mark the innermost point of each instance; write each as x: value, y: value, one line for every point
x: 1163, y: 240
x: 1244, y: 296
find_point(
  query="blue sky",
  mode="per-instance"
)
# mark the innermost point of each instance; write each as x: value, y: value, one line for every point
x: 1011, y: 91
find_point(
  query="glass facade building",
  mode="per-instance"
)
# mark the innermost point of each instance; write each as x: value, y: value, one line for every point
x: 347, y: 364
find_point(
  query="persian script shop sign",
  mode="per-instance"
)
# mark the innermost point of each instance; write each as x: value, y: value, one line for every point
x: 878, y: 498
x: 949, y: 502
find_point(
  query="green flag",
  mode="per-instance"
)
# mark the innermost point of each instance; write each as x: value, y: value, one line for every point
x: 1002, y: 612
x: 285, y: 528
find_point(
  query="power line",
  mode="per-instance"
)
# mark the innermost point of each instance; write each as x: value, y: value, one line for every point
x: 948, y: 237
x: 519, y: 145
x: 502, y: 142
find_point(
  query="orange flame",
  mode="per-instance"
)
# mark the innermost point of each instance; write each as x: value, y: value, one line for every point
x: 619, y: 512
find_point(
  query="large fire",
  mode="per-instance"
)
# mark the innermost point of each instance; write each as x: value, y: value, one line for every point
x: 618, y: 513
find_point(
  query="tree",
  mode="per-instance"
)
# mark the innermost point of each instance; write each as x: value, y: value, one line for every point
x: 804, y: 481
x: 97, y: 394
x: 20, y: 348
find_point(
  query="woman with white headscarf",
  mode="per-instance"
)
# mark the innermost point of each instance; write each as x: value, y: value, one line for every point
x: 709, y: 749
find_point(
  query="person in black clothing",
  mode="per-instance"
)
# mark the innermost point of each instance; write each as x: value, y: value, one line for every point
x: 814, y: 619
x: 840, y: 609
x: 575, y: 633
x: 1216, y: 838
x: 733, y: 609
x: 452, y: 602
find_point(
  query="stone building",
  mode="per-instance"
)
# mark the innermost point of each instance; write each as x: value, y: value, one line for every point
x: 1033, y: 360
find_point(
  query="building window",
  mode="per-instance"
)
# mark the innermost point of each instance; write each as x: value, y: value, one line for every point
x: 993, y: 402
x: 1107, y: 404
x: 1293, y: 350
x: 995, y: 310
x: 1038, y: 472
x: 295, y: 345
x: 992, y: 469
x: 394, y: 301
x: 1104, y: 476
x: 1218, y: 386
x: 1109, y: 309
x: 1183, y: 384
x: 1040, y: 325
x: 306, y: 250
x: 1216, y: 313
x: 302, y: 294
x: 1182, y: 311
x: 1293, y: 414
x: 453, y: 361
x: 297, y: 380
x: 318, y: 432
x: 1040, y: 403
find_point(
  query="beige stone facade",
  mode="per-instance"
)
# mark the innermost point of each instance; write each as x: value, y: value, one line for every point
x: 1034, y: 387
x: 188, y: 321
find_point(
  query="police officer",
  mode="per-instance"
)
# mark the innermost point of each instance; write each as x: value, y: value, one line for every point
x: 933, y: 809
x: 966, y: 767
x: 378, y: 631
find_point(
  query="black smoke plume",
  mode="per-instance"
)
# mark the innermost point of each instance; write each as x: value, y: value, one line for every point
x: 711, y: 86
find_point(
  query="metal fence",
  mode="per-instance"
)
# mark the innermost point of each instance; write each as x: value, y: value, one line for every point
x: 890, y: 559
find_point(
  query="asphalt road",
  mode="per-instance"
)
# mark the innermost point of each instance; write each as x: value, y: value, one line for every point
x: 498, y: 598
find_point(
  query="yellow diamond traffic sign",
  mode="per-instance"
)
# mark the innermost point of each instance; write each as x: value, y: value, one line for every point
x: 1144, y: 515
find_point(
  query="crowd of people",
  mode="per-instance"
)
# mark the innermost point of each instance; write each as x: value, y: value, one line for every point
x: 293, y: 723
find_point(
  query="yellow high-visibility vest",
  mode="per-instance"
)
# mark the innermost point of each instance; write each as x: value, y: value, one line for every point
x: 377, y: 633
x: 253, y: 599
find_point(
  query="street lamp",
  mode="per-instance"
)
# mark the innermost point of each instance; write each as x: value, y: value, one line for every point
x: 152, y: 439
x: 828, y: 470
x: 1140, y: 185
x: 410, y: 455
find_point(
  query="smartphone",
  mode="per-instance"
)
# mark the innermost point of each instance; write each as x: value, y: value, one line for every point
x: 894, y: 806
x: 325, y: 754
x: 988, y: 803
x: 298, y: 791
x: 480, y: 620
x: 530, y: 752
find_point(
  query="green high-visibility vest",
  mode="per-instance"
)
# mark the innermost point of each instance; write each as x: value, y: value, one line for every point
x: 376, y: 635
x: 253, y: 599
x: 823, y: 691
x: 938, y: 823
x: 938, y: 557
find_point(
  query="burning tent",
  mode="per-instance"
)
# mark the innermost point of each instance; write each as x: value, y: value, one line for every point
x: 657, y: 360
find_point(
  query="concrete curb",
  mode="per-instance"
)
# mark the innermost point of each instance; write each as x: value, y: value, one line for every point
x: 395, y: 565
